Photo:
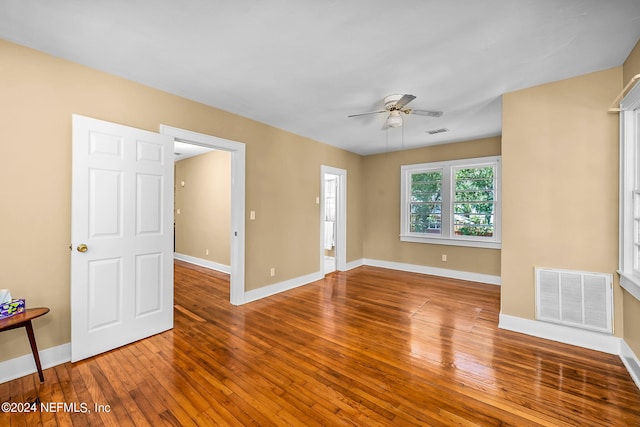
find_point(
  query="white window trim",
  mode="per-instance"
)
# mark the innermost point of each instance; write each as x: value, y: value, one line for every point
x: 447, y: 237
x: 629, y: 184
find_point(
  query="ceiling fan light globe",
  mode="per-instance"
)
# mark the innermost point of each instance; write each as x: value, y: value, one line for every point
x: 394, y: 120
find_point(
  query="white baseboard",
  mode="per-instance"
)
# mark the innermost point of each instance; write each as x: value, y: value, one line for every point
x: 354, y: 264
x: 631, y: 362
x: 564, y: 334
x: 276, y: 288
x: 25, y: 365
x: 435, y: 271
x: 203, y: 262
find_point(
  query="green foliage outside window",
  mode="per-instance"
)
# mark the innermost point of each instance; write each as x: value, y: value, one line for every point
x: 425, y: 210
x: 473, y: 204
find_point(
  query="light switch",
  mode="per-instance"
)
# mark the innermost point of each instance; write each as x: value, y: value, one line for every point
x: 252, y: 215
x: 178, y: 211
x: 181, y: 183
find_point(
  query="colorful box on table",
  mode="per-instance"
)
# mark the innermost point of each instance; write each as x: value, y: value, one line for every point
x: 8, y: 309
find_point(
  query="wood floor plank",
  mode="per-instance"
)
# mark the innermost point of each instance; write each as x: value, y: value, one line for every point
x: 156, y: 405
x: 367, y: 347
x: 69, y: 394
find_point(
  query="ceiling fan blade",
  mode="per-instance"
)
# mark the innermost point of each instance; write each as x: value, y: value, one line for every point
x: 404, y: 101
x: 426, y: 113
x: 370, y: 112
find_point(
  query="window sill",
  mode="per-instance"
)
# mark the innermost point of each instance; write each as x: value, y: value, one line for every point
x: 451, y: 242
x: 630, y: 283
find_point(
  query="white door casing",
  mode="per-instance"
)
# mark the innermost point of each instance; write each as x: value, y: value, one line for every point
x: 237, y: 150
x: 122, y: 210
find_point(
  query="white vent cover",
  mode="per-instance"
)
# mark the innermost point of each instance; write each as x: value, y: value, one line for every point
x: 575, y: 298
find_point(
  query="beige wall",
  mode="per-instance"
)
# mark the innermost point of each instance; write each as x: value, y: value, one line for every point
x: 631, y: 66
x: 382, y: 210
x: 39, y: 94
x: 632, y: 305
x: 559, y: 185
x: 203, y: 200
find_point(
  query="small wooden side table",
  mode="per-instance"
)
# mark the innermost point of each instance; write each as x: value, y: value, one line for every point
x: 24, y: 320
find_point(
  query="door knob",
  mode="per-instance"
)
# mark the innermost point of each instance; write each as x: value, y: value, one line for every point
x: 82, y: 248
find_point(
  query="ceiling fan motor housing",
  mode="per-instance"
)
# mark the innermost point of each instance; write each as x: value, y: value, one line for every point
x: 390, y: 101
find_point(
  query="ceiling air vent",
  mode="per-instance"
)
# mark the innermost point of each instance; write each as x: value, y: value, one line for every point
x: 435, y: 131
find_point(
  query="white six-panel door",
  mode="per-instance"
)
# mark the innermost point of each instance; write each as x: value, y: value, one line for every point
x: 121, y: 234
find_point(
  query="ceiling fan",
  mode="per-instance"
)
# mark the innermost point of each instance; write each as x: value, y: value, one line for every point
x: 394, y: 105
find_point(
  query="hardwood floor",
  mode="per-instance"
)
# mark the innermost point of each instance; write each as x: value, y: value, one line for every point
x: 368, y: 347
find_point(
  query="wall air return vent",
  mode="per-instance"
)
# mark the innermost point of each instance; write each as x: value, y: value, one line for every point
x: 575, y: 298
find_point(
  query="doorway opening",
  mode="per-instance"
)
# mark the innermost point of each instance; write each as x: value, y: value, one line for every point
x: 237, y: 200
x: 202, y: 206
x: 333, y: 219
x: 203, y: 176
x: 330, y: 217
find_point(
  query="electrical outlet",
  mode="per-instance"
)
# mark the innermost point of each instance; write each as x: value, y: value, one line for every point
x: 206, y: 252
x: 273, y: 271
x: 444, y: 257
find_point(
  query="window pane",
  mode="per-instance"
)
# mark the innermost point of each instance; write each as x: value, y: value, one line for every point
x: 425, y: 223
x: 478, y: 174
x: 473, y: 184
x: 425, y: 208
x: 426, y: 177
x: 474, y: 196
x: 469, y: 222
x: 426, y: 187
x: 426, y: 197
x: 467, y: 213
x: 473, y: 230
x: 474, y: 208
x: 636, y: 231
x: 636, y: 245
x: 473, y: 219
x: 473, y: 205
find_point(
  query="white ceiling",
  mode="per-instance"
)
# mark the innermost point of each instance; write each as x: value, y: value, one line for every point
x: 184, y: 150
x: 303, y: 66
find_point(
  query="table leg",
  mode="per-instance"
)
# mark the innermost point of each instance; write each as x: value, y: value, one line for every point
x: 34, y: 349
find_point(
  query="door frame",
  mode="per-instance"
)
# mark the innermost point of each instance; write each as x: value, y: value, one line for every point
x: 237, y: 151
x: 341, y: 217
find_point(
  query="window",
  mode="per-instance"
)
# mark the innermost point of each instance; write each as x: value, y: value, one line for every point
x: 453, y: 203
x: 425, y: 206
x: 630, y: 192
x: 636, y: 233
